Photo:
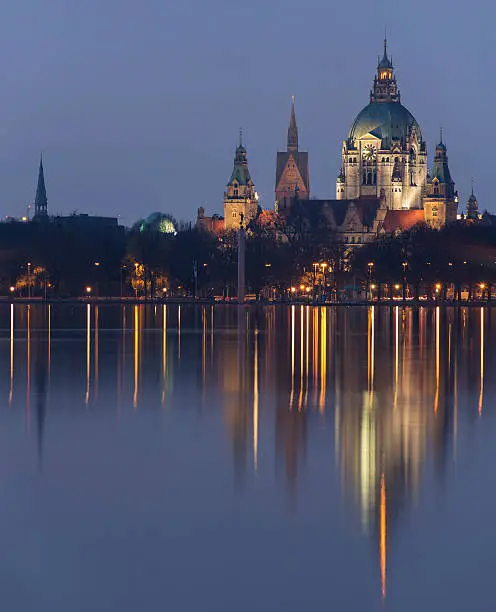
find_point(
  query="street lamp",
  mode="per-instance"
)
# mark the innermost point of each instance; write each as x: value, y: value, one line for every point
x: 482, y: 286
x: 12, y: 289
x: 88, y: 289
x: 370, y: 266
x: 29, y: 279
x: 136, y: 279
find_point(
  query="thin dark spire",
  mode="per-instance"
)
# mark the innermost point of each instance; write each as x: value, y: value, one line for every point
x: 441, y: 134
x: 40, y: 201
x: 472, y: 181
x: 240, y: 137
x: 292, y: 129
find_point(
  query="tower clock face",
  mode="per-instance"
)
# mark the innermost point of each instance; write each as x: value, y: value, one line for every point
x: 369, y: 153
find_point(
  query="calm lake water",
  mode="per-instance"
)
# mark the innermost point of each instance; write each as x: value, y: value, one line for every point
x: 239, y: 459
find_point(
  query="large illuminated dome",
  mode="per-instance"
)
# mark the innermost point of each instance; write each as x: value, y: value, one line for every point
x: 388, y: 121
x: 384, y: 156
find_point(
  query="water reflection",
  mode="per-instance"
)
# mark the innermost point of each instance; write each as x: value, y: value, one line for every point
x: 385, y: 383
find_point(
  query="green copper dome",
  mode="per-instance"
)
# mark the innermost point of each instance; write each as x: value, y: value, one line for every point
x: 386, y: 120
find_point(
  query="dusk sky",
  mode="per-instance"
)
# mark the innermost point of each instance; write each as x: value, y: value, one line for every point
x: 137, y: 105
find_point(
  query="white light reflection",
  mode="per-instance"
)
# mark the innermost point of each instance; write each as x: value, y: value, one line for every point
x: 11, y: 389
x: 255, y: 403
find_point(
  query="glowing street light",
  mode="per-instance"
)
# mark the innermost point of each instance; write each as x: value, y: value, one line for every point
x: 89, y: 289
x: 12, y: 289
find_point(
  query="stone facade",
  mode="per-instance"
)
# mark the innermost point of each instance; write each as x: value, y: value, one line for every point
x: 240, y: 197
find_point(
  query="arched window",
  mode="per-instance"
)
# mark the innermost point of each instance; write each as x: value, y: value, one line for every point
x: 353, y: 240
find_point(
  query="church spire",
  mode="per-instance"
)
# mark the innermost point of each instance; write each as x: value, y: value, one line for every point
x: 40, y: 201
x: 292, y: 129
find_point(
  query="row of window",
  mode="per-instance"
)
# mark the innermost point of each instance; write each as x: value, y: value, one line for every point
x: 385, y: 160
x: 369, y: 178
x: 352, y: 240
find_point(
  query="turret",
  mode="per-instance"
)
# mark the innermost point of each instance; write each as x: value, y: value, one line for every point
x: 441, y: 201
x: 340, y: 185
x: 385, y: 88
x: 472, y: 207
x: 397, y: 185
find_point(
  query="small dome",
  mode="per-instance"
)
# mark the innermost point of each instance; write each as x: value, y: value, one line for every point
x: 159, y: 222
x: 385, y: 120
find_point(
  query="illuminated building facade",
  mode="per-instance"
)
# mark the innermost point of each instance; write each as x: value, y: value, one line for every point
x: 384, y: 149
x: 240, y: 197
x: 384, y: 171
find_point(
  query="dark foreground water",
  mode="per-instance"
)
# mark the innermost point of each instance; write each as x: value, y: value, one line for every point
x: 230, y: 459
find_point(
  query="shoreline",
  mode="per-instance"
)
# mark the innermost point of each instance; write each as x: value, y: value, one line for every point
x: 215, y: 302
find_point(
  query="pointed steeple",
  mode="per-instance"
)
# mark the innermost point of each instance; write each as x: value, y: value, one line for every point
x: 385, y: 63
x: 292, y: 129
x: 40, y: 201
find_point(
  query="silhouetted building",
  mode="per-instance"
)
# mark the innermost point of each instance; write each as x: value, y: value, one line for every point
x: 40, y: 201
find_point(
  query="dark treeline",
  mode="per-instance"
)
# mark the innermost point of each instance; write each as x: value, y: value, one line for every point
x: 283, y: 259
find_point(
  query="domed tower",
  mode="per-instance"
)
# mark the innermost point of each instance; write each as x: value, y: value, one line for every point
x: 472, y: 207
x: 384, y: 139
x: 240, y: 197
x: 441, y: 201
